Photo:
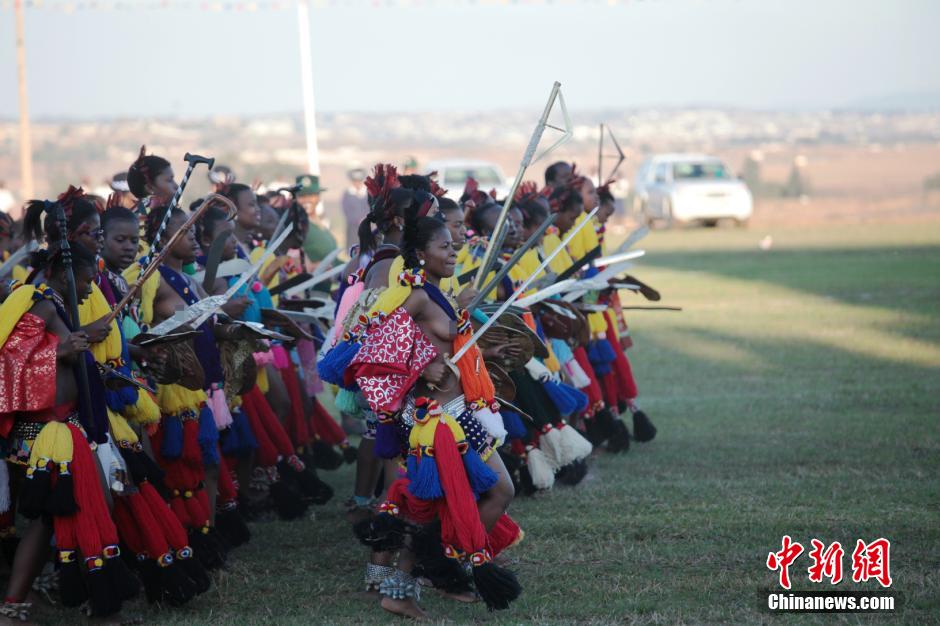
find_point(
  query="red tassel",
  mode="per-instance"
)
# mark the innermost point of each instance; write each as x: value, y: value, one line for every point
x: 593, y: 390
x: 609, y: 384
x: 192, y: 453
x: 504, y: 532
x: 227, y: 491
x: 460, y: 520
x: 198, y: 515
x: 267, y: 453
x: 273, y: 426
x: 89, y: 497
x: 626, y: 384
x: 150, y: 533
x: 296, y: 422
x: 325, y: 427
x: 173, y: 531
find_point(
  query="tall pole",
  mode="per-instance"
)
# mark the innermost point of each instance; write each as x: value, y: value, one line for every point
x: 26, y: 142
x: 306, y: 82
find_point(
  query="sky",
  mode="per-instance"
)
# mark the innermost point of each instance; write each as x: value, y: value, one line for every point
x: 764, y: 54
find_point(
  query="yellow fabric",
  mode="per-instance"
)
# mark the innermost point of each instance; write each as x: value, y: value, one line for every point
x: 598, y: 324
x: 176, y: 398
x: 551, y: 361
x: 562, y: 260
x: 91, y: 310
x: 263, y: 383
x: 395, y: 294
x: 148, y: 291
x: 584, y: 241
x: 275, y: 280
x: 17, y: 303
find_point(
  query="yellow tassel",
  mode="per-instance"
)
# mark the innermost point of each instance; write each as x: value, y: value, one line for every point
x: 120, y: 429
x: 144, y: 411
x: 62, y: 451
x: 263, y: 383
x: 54, y: 442
x: 551, y: 361
x: 173, y: 399
x: 92, y: 309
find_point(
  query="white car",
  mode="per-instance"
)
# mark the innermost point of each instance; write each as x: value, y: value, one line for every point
x: 671, y: 188
x: 452, y: 175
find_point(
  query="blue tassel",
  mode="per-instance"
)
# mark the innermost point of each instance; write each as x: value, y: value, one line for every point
x: 578, y: 397
x: 238, y: 440
x: 334, y: 364
x: 386, y: 441
x: 172, y: 446
x: 411, y: 467
x: 596, y: 355
x: 427, y: 482
x: 562, y: 401
x: 513, y: 423
x: 561, y: 350
x: 481, y: 477
x: 605, y: 351
x: 240, y: 421
x: 208, y: 437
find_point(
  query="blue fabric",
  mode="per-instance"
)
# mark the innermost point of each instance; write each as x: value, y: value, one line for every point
x: 206, y: 348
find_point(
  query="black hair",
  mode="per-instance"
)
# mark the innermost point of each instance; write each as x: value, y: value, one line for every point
x: 51, y: 259
x: 475, y: 217
x: 604, y: 195
x: 446, y: 205
x: 144, y: 171
x: 117, y: 214
x: 418, y: 231
x: 415, y: 182
x: 383, y: 214
x: 231, y: 191
x: 551, y: 172
x: 208, y: 221
x: 155, y: 218
x: 565, y: 199
x: 6, y: 224
x: 35, y: 227
x: 533, y: 212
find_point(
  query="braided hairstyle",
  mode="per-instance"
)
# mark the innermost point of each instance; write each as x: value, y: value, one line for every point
x: 144, y: 171
x: 420, y: 227
x: 50, y: 260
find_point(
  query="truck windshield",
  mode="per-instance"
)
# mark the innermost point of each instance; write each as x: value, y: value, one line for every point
x: 704, y: 170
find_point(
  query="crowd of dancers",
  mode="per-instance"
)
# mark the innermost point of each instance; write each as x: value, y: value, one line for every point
x: 163, y: 372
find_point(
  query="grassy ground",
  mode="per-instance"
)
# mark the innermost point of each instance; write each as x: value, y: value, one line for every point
x: 798, y: 393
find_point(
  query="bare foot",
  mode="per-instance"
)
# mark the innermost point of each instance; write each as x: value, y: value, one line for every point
x: 467, y: 597
x: 405, y: 608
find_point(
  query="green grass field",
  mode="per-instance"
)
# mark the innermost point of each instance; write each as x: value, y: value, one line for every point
x: 797, y: 393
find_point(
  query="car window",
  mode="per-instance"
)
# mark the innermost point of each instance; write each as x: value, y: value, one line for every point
x: 702, y: 170
x: 486, y: 176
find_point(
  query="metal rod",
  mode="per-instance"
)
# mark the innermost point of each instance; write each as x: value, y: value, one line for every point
x: 495, y: 239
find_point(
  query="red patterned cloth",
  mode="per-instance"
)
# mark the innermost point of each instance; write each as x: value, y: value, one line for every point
x: 394, y: 352
x: 27, y: 370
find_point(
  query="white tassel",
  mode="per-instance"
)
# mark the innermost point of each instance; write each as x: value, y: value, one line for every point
x: 493, y: 423
x: 543, y: 476
x: 550, y: 444
x: 4, y: 487
x: 537, y: 370
x: 573, y: 444
x: 578, y: 378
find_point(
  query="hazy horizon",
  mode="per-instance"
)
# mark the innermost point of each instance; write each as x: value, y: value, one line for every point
x: 799, y: 55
